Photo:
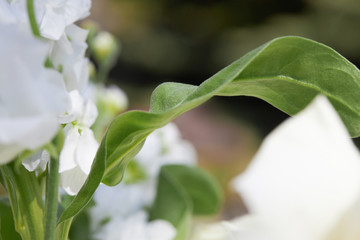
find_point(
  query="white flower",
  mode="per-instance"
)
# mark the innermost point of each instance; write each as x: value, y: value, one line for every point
x: 304, y: 182
x: 31, y: 96
x: 137, y: 227
x: 165, y: 146
x: 80, y: 145
x: 67, y: 56
x: 106, y: 198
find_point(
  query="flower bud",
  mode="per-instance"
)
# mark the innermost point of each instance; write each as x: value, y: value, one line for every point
x: 104, y: 45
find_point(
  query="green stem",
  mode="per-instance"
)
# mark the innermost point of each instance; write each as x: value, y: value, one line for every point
x: 32, y: 17
x: 62, y: 230
x: 51, y: 199
x: 26, y: 202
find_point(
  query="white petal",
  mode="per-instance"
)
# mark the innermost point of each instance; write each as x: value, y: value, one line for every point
x: 160, y: 230
x: 67, y: 155
x: 32, y: 162
x: 56, y: 15
x: 133, y: 197
x: 72, y: 180
x: 44, y: 159
x: 37, y: 161
x: 68, y: 53
x: 52, y: 24
x: 31, y: 96
x: 90, y: 114
x: 79, y: 72
x: 86, y: 150
x: 165, y: 146
x: 76, y: 110
x: 77, y: 10
x: 6, y: 13
x: 347, y: 227
x: 9, y: 152
x: 305, y: 175
x: 29, y: 132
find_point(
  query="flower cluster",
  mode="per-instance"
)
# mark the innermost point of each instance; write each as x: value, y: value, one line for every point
x: 42, y: 84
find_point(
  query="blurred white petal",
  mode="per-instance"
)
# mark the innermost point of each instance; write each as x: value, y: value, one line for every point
x: 6, y: 13
x: 165, y: 146
x: 37, y: 161
x: 9, y: 152
x: 72, y: 180
x: 137, y: 227
x: 31, y: 96
x: 160, y: 230
x: 305, y: 176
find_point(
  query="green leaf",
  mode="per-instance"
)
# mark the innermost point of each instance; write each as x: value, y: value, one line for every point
x: 287, y: 72
x: 172, y: 204
x: 183, y: 191
x: 204, y: 192
x: 24, y: 193
x: 7, y: 226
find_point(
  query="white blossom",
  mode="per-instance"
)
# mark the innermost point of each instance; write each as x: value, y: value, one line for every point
x: 304, y: 182
x: 165, y: 146
x: 31, y: 96
x: 80, y: 145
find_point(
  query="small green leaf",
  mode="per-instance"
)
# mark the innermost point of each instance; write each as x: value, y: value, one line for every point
x: 172, y: 204
x: 287, y: 72
x: 202, y: 189
x: 183, y: 191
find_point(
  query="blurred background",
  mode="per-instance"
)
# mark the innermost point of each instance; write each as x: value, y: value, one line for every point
x: 189, y: 41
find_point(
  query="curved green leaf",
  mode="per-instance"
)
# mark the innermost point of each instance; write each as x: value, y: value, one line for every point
x: 287, y: 72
